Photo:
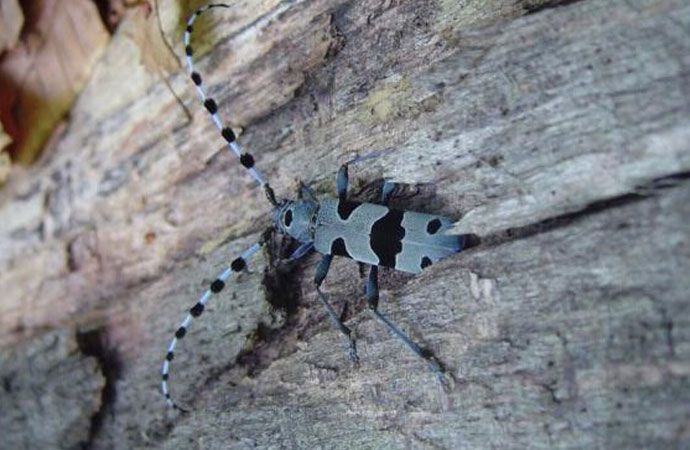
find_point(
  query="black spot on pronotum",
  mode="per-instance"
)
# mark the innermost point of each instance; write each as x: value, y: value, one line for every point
x: 433, y: 226
x: 211, y: 106
x: 188, y: 50
x: 288, y: 218
x: 238, y: 264
x: 228, y: 134
x: 386, y: 237
x: 196, y: 310
x: 346, y: 208
x: 426, y: 262
x: 170, y: 356
x: 179, y: 334
x: 196, y: 78
x: 217, y: 286
x: 338, y: 248
x: 247, y: 160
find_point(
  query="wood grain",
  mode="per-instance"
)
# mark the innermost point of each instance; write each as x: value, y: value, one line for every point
x: 555, y: 131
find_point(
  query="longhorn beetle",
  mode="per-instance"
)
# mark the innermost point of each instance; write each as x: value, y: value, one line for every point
x: 365, y: 232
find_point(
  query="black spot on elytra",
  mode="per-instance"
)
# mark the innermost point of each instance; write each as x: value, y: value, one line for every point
x: 426, y: 262
x: 338, y: 248
x: 386, y: 237
x: 433, y: 226
x: 346, y: 208
x: 288, y: 217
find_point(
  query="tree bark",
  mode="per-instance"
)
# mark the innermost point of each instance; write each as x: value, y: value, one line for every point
x: 558, y: 132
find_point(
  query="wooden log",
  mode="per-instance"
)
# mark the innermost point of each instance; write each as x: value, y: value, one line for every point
x: 555, y: 131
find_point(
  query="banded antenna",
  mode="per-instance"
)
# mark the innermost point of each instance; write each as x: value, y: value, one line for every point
x: 246, y: 159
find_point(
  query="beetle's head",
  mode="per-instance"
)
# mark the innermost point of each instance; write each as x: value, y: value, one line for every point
x: 296, y: 218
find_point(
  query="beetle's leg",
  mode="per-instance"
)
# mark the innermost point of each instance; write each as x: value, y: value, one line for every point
x: 301, y: 251
x: 387, y: 192
x: 372, y: 296
x: 341, y: 181
x: 305, y: 191
x: 321, y: 272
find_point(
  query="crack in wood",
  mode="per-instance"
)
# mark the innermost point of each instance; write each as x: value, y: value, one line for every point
x: 655, y: 186
x: 94, y: 343
x: 533, y: 7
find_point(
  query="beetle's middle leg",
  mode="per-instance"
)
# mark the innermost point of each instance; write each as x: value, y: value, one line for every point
x: 321, y: 272
x: 372, y: 296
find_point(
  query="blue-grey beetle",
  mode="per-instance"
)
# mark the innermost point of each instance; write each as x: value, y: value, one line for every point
x: 369, y: 233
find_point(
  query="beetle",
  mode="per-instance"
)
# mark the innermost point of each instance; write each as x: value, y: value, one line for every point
x: 369, y: 233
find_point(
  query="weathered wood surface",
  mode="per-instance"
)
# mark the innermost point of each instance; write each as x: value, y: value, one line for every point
x: 559, y: 134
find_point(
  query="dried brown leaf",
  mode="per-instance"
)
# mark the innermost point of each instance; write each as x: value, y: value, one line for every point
x: 42, y: 76
x: 5, y: 162
x: 156, y: 55
x: 11, y: 21
x: 5, y: 140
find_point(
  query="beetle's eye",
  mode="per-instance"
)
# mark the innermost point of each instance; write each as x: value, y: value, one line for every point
x: 288, y: 218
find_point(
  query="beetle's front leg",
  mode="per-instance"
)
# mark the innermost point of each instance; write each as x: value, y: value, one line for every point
x: 305, y: 192
x: 342, y: 180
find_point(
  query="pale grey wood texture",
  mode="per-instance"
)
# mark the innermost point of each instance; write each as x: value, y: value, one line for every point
x: 557, y: 131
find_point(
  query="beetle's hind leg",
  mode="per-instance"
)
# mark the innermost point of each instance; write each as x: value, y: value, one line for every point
x: 372, y: 296
x: 321, y: 272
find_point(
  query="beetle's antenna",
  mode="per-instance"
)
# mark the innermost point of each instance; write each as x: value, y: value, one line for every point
x: 218, y: 284
x: 246, y: 159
